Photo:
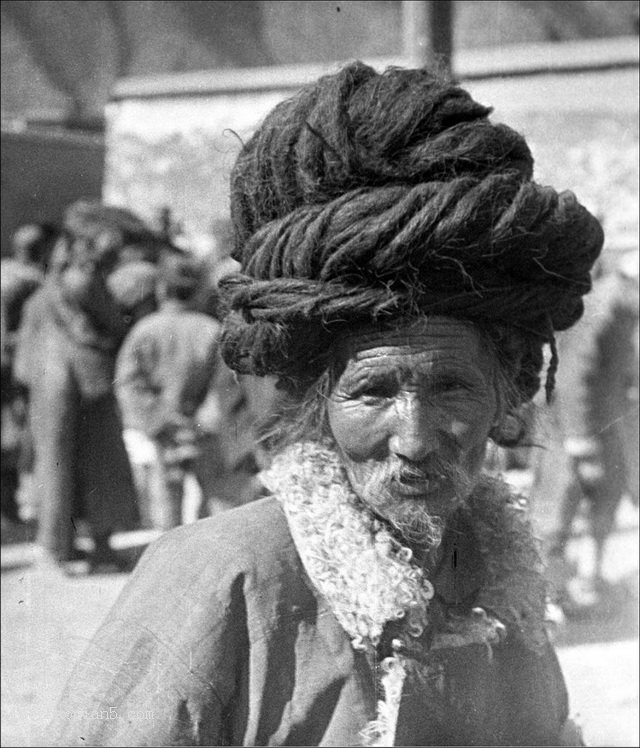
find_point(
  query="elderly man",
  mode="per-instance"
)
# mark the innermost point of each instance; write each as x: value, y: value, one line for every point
x: 401, y: 274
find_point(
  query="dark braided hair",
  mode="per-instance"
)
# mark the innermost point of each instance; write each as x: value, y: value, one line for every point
x: 371, y: 197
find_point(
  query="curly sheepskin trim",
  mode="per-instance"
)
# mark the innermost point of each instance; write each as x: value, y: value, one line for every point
x: 369, y: 579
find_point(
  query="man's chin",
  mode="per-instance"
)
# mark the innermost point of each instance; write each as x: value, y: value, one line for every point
x: 416, y: 523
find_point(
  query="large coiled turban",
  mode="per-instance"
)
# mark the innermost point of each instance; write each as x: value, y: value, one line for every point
x: 372, y: 196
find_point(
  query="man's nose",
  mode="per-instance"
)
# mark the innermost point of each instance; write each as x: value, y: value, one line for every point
x: 415, y: 429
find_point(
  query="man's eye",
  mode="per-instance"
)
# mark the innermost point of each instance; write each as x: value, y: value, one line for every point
x: 376, y: 392
x: 454, y: 385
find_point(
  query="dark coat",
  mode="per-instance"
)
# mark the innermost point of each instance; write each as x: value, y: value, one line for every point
x: 220, y: 639
x: 17, y: 283
x: 81, y: 467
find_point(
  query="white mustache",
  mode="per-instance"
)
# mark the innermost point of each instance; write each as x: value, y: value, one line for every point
x: 437, y: 469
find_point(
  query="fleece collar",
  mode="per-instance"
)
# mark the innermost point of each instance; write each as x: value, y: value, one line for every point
x: 373, y: 585
x: 370, y: 579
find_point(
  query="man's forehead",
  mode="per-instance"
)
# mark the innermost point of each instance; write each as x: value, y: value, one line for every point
x: 422, y: 334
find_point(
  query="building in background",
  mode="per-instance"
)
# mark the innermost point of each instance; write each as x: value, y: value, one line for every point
x: 60, y: 58
x: 61, y: 61
x: 173, y: 139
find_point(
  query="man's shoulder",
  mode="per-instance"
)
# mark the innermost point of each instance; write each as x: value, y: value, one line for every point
x: 252, y: 539
x: 243, y: 558
x: 153, y: 327
x: 241, y: 526
x: 149, y: 323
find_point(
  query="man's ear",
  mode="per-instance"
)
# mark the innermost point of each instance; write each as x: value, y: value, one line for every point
x: 509, y: 430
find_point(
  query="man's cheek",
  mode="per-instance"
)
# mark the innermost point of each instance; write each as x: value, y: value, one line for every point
x: 358, y: 435
x: 470, y: 432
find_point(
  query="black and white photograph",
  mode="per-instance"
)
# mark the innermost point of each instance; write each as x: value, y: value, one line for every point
x: 320, y: 373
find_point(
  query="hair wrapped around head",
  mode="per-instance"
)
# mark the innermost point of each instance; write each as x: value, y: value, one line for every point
x: 371, y: 196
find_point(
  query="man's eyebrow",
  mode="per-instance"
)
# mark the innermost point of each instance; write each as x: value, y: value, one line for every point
x: 360, y: 373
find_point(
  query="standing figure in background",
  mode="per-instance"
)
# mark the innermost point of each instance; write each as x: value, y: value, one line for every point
x: 133, y: 286
x: 163, y: 380
x: 81, y: 467
x: 245, y: 403
x: 21, y: 275
x: 597, y: 409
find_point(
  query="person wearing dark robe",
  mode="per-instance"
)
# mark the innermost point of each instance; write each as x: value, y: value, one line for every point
x: 67, y: 361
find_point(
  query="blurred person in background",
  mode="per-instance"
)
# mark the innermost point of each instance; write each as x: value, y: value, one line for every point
x: 31, y: 249
x: 27, y: 365
x: 244, y: 402
x: 402, y: 273
x: 21, y: 275
x: 67, y: 358
x: 597, y: 412
x: 133, y: 284
x: 164, y: 380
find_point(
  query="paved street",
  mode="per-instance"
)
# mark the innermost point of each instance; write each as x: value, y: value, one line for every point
x: 48, y: 617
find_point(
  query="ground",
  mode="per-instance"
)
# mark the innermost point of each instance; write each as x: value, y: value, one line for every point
x: 48, y: 617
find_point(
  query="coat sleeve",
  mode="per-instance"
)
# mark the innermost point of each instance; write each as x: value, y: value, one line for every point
x: 528, y: 703
x: 140, y: 400
x: 27, y: 340
x: 162, y: 668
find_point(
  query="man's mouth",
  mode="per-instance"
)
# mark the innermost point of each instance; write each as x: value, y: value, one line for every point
x: 417, y: 485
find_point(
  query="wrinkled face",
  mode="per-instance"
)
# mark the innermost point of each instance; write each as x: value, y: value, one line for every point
x: 411, y: 414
